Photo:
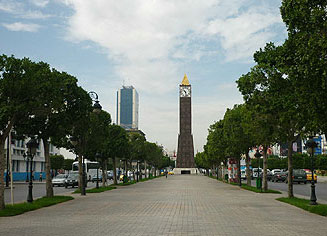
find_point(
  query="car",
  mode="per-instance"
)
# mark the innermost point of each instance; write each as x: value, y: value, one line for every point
x: 269, y: 175
x: 110, y: 174
x: 299, y: 176
x: 275, y: 171
x: 72, y: 180
x: 309, y: 175
x: 171, y: 172
x: 279, y: 176
x: 59, y: 180
x: 255, y: 172
x: 95, y: 177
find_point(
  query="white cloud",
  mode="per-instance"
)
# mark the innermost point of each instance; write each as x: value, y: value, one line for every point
x: 143, y: 36
x: 19, y: 26
x: 149, y: 43
x: 40, y: 3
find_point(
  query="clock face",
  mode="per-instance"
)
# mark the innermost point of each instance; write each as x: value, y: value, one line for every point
x: 185, y: 92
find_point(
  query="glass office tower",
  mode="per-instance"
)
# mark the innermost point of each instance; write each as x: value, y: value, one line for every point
x: 127, y: 107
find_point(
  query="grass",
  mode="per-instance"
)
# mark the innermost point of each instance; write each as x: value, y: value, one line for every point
x: 20, y: 208
x: 320, y: 209
x: 250, y: 188
x: 97, y: 190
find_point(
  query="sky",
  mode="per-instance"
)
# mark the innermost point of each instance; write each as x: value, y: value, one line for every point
x: 149, y: 44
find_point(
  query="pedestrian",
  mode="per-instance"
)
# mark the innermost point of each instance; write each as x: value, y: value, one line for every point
x: 41, y: 176
x: 166, y: 173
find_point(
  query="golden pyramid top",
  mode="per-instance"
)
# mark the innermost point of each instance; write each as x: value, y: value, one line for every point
x: 185, y: 80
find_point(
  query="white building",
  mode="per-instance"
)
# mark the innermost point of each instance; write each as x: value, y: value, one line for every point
x: 19, y: 164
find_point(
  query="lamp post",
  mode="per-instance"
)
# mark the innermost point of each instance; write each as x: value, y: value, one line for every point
x: 97, y: 156
x: 311, y: 145
x: 258, y: 155
x: 32, y: 146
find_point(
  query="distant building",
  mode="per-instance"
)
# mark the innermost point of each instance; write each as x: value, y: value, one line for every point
x: 19, y: 164
x: 127, y: 108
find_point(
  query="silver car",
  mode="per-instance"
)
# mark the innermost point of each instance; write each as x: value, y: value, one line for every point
x: 59, y: 180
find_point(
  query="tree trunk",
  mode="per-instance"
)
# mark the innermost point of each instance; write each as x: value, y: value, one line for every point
x: 48, y: 181
x: 265, y: 182
x: 290, y: 169
x: 115, y: 169
x: 248, y: 172
x: 3, y: 137
x: 80, y: 172
x: 2, y: 174
x: 104, y: 173
x: 145, y: 168
x: 239, y: 171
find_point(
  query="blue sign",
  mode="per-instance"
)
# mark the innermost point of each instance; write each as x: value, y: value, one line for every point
x: 318, y: 149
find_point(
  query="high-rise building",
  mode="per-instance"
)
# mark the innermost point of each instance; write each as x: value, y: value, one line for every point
x: 127, y: 108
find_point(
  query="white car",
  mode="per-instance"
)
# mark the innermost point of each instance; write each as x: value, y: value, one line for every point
x: 59, y: 180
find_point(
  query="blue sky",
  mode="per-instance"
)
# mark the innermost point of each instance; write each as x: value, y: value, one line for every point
x: 150, y: 45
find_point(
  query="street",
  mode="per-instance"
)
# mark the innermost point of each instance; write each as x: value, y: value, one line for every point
x: 21, y: 190
x: 178, y: 205
x: 299, y: 189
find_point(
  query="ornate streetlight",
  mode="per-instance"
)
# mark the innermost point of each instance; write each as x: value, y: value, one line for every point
x: 258, y: 155
x: 311, y: 145
x: 32, y: 145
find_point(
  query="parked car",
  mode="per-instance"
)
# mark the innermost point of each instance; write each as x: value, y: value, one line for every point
x: 255, y: 172
x: 59, y: 180
x: 275, y: 171
x: 279, y: 176
x: 95, y: 177
x: 299, y: 176
x: 309, y: 175
x: 269, y: 175
x: 72, y: 180
x: 110, y: 174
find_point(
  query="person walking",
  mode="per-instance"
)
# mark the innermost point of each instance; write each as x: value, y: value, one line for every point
x: 166, y: 173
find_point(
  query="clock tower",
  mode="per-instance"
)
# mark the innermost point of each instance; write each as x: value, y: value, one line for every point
x: 185, y: 151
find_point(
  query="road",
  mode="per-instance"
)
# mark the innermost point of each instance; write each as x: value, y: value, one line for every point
x: 300, y: 189
x: 21, y: 191
x: 179, y: 205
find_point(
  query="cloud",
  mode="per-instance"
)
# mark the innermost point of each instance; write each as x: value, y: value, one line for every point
x: 24, y: 11
x: 9, y: 6
x: 40, y: 3
x: 149, y: 43
x: 148, y: 39
x: 19, y: 26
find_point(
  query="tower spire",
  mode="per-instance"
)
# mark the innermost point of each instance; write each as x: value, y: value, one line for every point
x: 185, y: 80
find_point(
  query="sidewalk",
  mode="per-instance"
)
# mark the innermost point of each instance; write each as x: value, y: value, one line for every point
x: 178, y: 205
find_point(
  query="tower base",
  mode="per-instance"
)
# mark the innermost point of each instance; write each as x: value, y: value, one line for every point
x: 190, y: 171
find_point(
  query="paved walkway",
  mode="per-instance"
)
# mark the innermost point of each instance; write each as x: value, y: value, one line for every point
x: 179, y: 205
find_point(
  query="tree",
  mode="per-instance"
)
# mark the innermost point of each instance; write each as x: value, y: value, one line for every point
x: 68, y: 163
x: 57, y: 162
x: 48, y: 119
x: 271, y: 88
x: 18, y: 90
x: 307, y: 65
x: 116, y: 146
x: 137, y: 145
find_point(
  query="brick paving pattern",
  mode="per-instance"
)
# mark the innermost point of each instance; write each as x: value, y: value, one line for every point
x: 179, y: 205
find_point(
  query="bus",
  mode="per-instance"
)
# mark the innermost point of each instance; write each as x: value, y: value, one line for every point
x: 90, y: 167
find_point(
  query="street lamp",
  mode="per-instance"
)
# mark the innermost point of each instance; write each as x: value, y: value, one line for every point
x: 258, y: 155
x: 32, y: 146
x: 97, y: 156
x: 311, y: 145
